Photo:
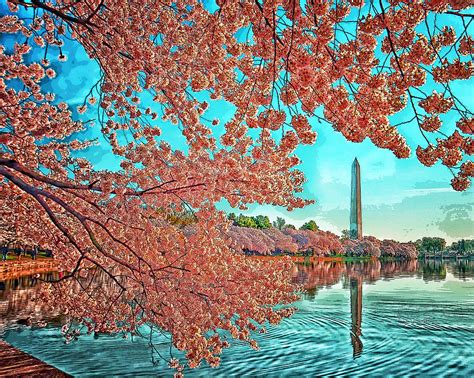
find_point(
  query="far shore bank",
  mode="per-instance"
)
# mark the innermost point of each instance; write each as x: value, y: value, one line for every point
x: 345, y: 259
x: 15, y: 268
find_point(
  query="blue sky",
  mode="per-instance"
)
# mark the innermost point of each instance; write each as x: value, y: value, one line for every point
x: 401, y: 199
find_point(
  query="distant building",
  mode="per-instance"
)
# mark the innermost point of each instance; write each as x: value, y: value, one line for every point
x: 356, y: 203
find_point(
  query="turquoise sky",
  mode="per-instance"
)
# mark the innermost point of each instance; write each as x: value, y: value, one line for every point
x: 401, y: 199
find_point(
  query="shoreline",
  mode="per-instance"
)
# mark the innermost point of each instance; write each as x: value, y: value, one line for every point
x: 348, y: 259
x: 11, y: 269
x: 16, y: 363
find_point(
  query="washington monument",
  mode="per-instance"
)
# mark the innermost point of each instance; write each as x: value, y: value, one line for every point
x: 356, y: 203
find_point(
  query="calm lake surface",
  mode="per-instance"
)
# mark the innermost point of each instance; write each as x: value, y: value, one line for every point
x: 356, y: 319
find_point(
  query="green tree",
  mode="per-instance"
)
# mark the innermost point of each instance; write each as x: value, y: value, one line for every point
x: 262, y: 221
x: 279, y: 223
x: 245, y: 221
x: 311, y: 225
x: 419, y: 245
x: 232, y: 217
x: 181, y: 218
x: 463, y: 246
x: 289, y: 226
x: 345, y: 234
x: 433, y: 244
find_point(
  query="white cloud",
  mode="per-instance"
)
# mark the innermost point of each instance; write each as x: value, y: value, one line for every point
x: 425, y: 191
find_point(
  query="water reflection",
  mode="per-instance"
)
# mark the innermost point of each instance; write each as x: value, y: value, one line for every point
x: 433, y: 270
x: 356, y: 313
x: 413, y: 318
x: 315, y: 275
x: 21, y: 304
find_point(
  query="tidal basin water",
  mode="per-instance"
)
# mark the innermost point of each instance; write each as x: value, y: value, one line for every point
x: 360, y: 319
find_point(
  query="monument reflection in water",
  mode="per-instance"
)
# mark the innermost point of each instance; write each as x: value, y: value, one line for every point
x: 356, y: 312
x: 324, y: 274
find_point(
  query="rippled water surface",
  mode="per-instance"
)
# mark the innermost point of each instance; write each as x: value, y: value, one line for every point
x: 396, y: 319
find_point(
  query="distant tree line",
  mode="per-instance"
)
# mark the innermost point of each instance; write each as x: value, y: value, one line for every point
x: 262, y: 222
x: 279, y: 236
x: 463, y: 246
x: 257, y: 235
x: 438, y: 246
x: 424, y: 246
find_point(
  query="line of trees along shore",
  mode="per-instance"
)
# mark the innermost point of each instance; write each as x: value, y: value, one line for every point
x: 435, y: 246
x: 258, y: 235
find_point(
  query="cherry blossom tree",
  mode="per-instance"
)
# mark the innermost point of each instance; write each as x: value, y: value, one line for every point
x: 367, y: 246
x: 328, y: 243
x: 371, y: 246
x: 273, y: 241
x: 365, y: 69
x: 319, y: 243
x: 159, y: 273
x: 282, y: 242
x: 251, y: 240
x: 391, y: 248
